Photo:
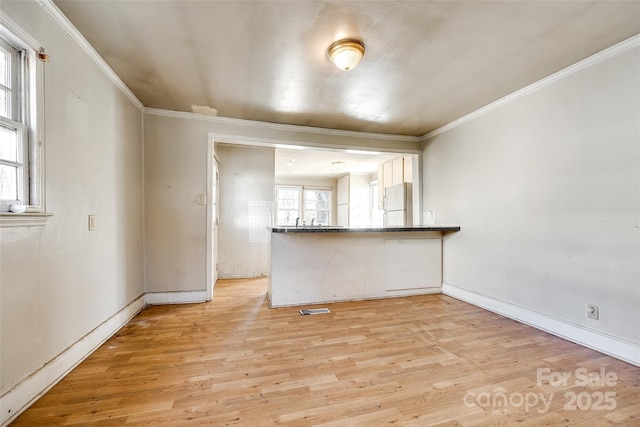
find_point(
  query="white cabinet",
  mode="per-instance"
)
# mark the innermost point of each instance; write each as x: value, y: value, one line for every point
x: 342, y: 215
x: 393, y: 172
x: 397, y: 171
x: 387, y: 174
x: 359, y: 208
x: 353, y: 201
x: 343, y: 190
x: 380, y: 187
x: 407, y: 167
x: 413, y: 264
x: 342, y: 201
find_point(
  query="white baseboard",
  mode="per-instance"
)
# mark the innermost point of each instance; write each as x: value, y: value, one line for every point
x: 179, y: 297
x: 23, y: 394
x: 607, y: 344
x: 240, y: 276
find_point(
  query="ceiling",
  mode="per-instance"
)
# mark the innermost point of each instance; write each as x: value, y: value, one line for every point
x: 316, y: 163
x: 426, y: 64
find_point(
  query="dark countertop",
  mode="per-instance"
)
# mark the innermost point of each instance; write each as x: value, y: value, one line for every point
x: 443, y: 229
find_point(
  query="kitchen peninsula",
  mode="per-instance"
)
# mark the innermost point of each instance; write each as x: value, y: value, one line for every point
x: 312, y: 265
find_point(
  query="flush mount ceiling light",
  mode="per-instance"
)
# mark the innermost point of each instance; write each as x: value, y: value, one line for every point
x: 346, y: 54
x: 337, y: 165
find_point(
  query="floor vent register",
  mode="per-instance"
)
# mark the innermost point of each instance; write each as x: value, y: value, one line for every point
x: 309, y: 311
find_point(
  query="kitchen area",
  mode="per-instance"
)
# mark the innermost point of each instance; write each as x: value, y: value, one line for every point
x: 374, y: 247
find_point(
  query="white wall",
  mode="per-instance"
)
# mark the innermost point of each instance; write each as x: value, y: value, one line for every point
x: 60, y: 281
x: 246, y: 209
x: 546, y: 189
x: 175, y: 153
x: 175, y: 224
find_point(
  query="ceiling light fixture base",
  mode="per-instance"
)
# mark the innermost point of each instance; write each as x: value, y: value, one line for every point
x: 346, y: 53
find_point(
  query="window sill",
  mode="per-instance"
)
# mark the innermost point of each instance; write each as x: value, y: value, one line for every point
x: 27, y: 219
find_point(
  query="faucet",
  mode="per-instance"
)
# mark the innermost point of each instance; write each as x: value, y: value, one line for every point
x: 297, y: 220
x: 312, y: 219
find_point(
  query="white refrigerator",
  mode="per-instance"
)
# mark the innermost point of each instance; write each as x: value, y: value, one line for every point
x: 397, y: 206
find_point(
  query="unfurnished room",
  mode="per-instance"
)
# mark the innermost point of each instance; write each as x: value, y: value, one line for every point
x: 319, y: 213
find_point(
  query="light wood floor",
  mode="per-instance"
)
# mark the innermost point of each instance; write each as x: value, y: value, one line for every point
x: 416, y: 361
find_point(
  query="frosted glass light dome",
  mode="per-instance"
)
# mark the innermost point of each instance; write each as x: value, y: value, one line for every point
x: 346, y: 54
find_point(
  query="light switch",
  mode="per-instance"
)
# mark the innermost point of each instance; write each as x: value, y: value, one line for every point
x: 201, y: 199
x: 92, y: 222
x: 429, y: 218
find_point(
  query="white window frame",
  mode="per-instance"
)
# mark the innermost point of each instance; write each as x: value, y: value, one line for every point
x: 301, y: 202
x: 31, y: 128
x: 296, y: 188
x: 16, y: 122
x: 304, y: 200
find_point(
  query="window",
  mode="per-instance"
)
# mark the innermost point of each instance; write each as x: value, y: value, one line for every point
x: 305, y: 204
x: 12, y: 130
x: 317, y: 206
x: 287, y: 205
x: 21, y: 177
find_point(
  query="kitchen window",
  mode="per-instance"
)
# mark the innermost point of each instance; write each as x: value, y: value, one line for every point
x: 306, y: 204
x: 21, y: 155
x: 287, y: 205
x: 317, y: 206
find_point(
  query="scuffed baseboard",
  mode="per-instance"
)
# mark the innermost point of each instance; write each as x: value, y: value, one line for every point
x: 23, y: 394
x: 178, y: 297
x: 607, y: 344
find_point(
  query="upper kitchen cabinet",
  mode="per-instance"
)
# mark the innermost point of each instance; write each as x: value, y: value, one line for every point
x: 353, y: 201
x: 392, y: 172
x: 342, y: 203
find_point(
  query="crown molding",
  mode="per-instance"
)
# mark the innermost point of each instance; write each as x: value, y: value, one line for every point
x: 72, y: 31
x: 592, y: 60
x: 12, y: 27
x: 247, y: 131
x: 281, y: 127
x: 300, y: 143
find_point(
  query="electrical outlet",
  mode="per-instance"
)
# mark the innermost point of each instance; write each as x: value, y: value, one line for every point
x: 92, y: 223
x: 593, y: 312
x: 201, y: 199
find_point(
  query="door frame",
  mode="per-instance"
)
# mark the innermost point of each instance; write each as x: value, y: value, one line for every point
x: 211, y: 274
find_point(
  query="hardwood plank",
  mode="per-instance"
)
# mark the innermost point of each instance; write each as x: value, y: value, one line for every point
x: 417, y: 361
